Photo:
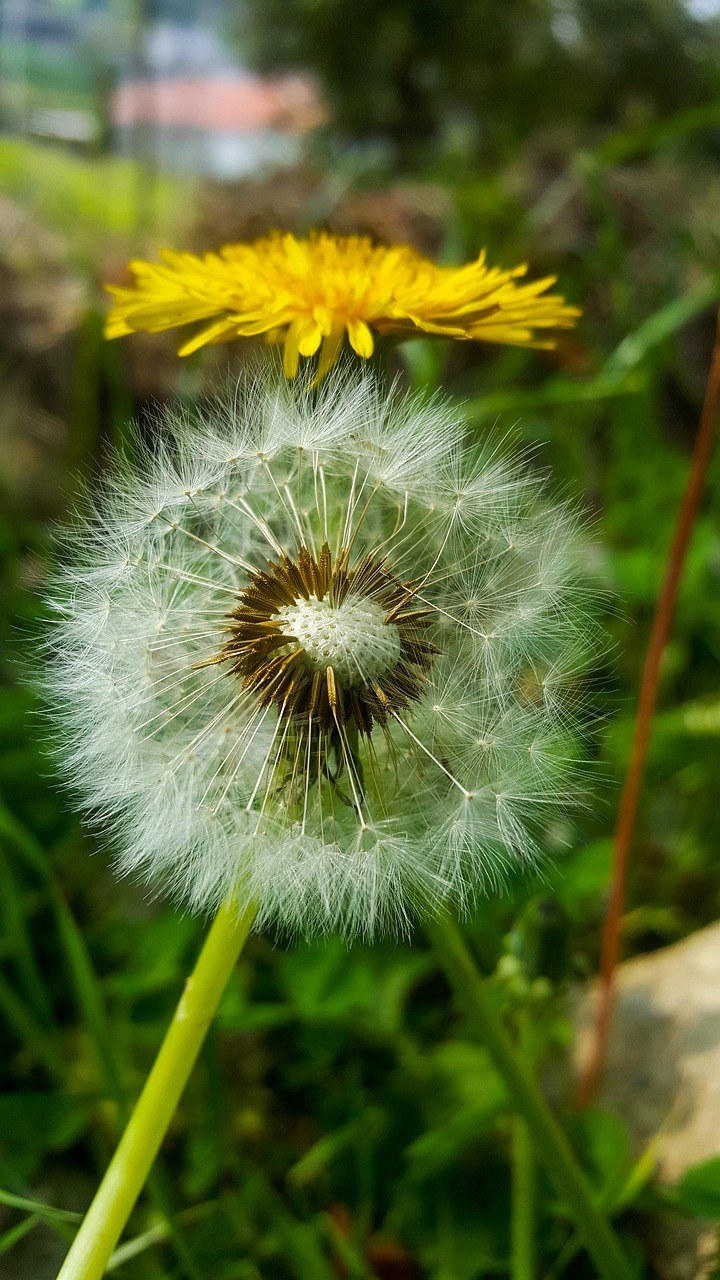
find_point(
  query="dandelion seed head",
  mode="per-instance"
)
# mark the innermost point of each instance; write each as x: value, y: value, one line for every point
x: 311, y: 652
x: 352, y: 637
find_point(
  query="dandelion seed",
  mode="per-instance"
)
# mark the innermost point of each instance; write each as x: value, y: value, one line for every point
x: 310, y: 651
x: 310, y: 295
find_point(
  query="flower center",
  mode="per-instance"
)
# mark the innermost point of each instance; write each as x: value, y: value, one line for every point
x: 329, y: 643
x: 353, y: 637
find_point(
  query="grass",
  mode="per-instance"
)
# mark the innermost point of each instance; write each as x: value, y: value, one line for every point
x: 342, y: 1117
x: 97, y: 203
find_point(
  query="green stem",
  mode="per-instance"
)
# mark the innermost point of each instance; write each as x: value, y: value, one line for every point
x: 522, y: 1221
x: 523, y: 1218
x: 128, y: 1170
x: 551, y: 1146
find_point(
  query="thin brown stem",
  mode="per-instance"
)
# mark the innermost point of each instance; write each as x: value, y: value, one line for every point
x: 632, y: 787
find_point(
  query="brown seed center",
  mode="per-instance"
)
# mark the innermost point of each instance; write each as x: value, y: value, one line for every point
x: 329, y: 643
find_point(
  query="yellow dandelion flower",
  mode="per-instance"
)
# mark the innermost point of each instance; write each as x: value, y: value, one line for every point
x: 308, y: 294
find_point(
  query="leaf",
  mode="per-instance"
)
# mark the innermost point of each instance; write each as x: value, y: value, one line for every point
x: 368, y: 1126
x: 458, y: 1227
x: 604, y: 1147
x: 441, y: 1148
x: 325, y: 980
x: 36, y: 1207
x: 10, y: 1238
x: 33, y: 1123
x: 581, y: 876
x: 698, y: 1191
x: 657, y: 327
x: 460, y: 1074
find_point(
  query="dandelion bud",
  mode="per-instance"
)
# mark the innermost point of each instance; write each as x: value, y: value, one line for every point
x: 540, y: 940
x: 316, y: 652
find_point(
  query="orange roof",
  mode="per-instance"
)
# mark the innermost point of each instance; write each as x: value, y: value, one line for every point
x: 233, y: 103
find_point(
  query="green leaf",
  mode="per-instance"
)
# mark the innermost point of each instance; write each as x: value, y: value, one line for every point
x: 40, y: 1210
x: 10, y: 1238
x: 698, y: 1191
x: 33, y: 1123
x: 602, y: 1142
x: 582, y: 876
x: 458, y: 1228
x: 441, y: 1148
x: 370, y: 1125
x: 657, y: 327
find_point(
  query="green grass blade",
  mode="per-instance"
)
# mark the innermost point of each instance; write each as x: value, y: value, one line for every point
x: 47, y: 1212
x: 17, y: 936
x: 29, y: 1030
x: 12, y: 1237
x: 91, y: 1009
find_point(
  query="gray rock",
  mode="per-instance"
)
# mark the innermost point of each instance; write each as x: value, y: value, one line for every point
x: 663, y: 1078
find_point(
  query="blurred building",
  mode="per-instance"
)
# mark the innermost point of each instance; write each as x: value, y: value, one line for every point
x: 169, y: 92
x: 224, y: 125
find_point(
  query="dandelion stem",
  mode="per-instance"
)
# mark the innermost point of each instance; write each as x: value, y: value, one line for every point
x: 128, y: 1170
x: 629, y: 799
x: 524, y: 1215
x: 551, y: 1146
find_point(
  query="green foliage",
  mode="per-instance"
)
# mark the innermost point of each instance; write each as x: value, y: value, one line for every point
x: 436, y: 70
x: 341, y: 1120
x: 95, y: 202
x: 698, y: 1191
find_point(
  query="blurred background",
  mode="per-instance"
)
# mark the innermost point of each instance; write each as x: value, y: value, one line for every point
x: 341, y: 1122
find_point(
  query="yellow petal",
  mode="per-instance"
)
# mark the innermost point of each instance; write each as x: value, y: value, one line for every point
x: 116, y: 328
x: 297, y: 254
x: 310, y: 338
x: 291, y: 350
x: 213, y: 333
x: 361, y: 339
x: 306, y: 292
x: 323, y: 317
x: 330, y: 352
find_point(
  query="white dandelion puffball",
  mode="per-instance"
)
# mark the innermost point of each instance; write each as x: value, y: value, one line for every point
x: 317, y: 651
